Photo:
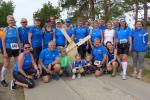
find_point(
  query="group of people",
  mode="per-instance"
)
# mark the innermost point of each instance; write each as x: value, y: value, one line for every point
x: 41, y: 51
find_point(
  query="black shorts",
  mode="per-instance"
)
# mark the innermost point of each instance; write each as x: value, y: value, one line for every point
x: 36, y: 52
x: 12, y: 53
x: 44, y: 73
x: 123, y: 48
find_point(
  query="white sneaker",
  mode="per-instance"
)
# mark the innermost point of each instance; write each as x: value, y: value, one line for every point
x: 12, y: 85
x: 124, y: 77
x: 79, y: 75
x: 73, y: 77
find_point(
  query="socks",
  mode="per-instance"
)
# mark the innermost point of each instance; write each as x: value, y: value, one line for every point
x: 124, y: 67
x: 3, y: 73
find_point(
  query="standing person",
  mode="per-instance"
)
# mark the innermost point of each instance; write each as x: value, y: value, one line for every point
x: 109, y: 34
x: 2, y: 31
x: 35, y: 38
x: 23, y: 31
x: 60, y: 39
x: 102, y: 25
x: 69, y: 28
x: 52, y: 20
x: 11, y: 44
x: 80, y: 32
x: 95, y: 33
x: 25, y: 69
x: 49, y: 61
x: 48, y: 34
x: 139, y: 47
x: 116, y: 24
x: 124, y: 45
x: 99, y: 54
x: 112, y: 58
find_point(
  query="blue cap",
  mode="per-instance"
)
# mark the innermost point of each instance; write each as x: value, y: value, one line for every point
x: 68, y: 20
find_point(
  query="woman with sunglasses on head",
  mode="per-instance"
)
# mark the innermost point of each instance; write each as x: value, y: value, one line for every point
x: 35, y: 38
x: 25, y: 69
x: 124, y: 45
x: 48, y: 34
x: 11, y: 44
x: 112, y: 64
x: 139, y: 47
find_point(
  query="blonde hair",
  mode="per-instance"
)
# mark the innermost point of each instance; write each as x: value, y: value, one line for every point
x: 10, y: 17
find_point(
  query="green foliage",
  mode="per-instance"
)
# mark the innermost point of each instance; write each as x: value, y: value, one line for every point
x: 6, y: 8
x: 46, y: 11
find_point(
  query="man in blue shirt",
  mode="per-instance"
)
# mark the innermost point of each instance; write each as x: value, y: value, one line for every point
x: 49, y: 61
x: 102, y: 24
x: 80, y: 32
x: 23, y: 31
x: 99, y: 54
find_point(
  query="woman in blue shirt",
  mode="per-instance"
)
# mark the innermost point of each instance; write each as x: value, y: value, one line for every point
x: 48, y: 34
x: 139, y: 47
x: 11, y: 45
x: 24, y: 69
x: 124, y: 44
x: 35, y: 38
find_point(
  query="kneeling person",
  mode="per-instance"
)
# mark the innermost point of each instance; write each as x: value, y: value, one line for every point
x: 99, y: 54
x: 23, y: 72
x: 49, y: 61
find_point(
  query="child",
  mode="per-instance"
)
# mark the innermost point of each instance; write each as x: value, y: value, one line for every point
x: 77, y: 68
x: 87, y: 64
x: 65, y: 63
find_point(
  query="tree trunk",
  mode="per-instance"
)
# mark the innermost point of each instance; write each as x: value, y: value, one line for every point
x: 145, y: 14
x: 106, y: 10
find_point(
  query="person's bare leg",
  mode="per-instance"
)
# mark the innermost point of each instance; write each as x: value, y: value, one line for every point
x: 21, y: 84
x: 45, y: 79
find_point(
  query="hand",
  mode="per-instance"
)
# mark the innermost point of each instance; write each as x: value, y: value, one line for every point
x: 47, y: 70
x: 38, y: 72
x: 29, y: 77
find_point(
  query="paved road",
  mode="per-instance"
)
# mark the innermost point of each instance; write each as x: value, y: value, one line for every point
x: 90, y: 88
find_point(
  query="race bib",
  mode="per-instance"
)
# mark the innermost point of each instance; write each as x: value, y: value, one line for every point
x: 96, y: 62
x: 123, y: 41
x: 14, y: 46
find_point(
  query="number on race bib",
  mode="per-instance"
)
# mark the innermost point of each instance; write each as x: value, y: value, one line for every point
x: 14, y: 46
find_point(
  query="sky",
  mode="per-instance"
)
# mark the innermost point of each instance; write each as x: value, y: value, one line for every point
x: 26, y: 8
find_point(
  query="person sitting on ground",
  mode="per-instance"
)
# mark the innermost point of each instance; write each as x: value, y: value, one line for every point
x: 65, y: 63
x: 49, y: 61
x: 87, y: 64
x: 112, y: 58
x: 25, y: 69
x: 99, y: 54
x: 77, y: 68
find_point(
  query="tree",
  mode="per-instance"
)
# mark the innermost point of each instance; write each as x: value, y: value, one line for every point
x: 46, y: 11
x: 6, y: 8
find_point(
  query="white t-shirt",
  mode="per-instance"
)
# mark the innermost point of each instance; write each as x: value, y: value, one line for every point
x: 109, y: 36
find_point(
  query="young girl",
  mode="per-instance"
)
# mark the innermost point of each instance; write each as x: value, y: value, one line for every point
x: 65, y: 63
x: 77, y: 68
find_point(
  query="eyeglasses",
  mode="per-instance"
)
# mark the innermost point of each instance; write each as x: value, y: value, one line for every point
x: 27, y: 47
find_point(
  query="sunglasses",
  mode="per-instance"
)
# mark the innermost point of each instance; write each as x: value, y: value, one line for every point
x: 27, y: 47
x: 23, y: 22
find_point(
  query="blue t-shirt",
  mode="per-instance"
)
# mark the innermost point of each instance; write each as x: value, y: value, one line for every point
x: 99, y: 53
x: 26, y: 64
x: 103, y: 27
x: 123, y: 34
x: 49, y: 56
x: 36, y: 38
x: 96, y: 33
x: 47, y: 37
x: 80, y: 33
x: 23, y: 34
x: 140, y: 40
x: 70, y: 31
x: 11, y: 36
x: 60, y: 39
x: 110, y: 55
